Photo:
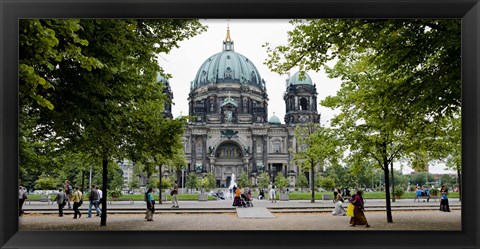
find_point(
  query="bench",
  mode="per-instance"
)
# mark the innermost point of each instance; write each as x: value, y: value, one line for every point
x: 130, y: 200
x: 46, y: 199
x: 417, y: 198
x: 326, y: 197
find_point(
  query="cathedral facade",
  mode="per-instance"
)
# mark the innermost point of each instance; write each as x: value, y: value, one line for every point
x: 231, y: 132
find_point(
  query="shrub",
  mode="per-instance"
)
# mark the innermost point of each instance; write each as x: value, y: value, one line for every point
x: 263, y: 180
x: 192, y: 181
x: 167, y: 182
x: 115, y: 193
x: 398, y: 191
x: 281, y: 182
x: 327, y: 183
x: 45, y: 182
x: 209, y: 181
x: 243, y: 180
x: 302, y: 181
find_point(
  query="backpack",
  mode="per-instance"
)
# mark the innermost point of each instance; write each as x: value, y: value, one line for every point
x: 69, y: 189
x: 145, y: 197
x: 94, y: 195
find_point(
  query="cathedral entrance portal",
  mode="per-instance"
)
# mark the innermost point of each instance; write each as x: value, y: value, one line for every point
x: 228, y: 161
x: 229, y: 180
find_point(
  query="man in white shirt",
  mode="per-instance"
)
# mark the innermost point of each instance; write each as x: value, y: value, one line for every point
x: 100, y: 196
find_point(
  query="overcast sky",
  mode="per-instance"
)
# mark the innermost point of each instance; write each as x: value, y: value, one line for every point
x: 248, y: 37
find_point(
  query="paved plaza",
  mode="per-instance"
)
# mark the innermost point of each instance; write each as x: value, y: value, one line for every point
x: 220, y: 215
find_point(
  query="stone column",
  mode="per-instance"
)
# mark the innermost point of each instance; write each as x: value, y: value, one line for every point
x: 212, y: 166
x: 270, y: 171
x: 254, y: 153
x: 289, y: 144
x: 245, y: 165
x: 204, y: 153
x: 193, y: 142
x: 264, y: 149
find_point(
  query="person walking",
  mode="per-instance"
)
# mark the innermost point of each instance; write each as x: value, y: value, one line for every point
x: 94, y: 200
x: 444, y: 200
x: 61, y: 199
x: 358, y: 211
x: 22, y: 196
x: 175, y: 195
x: 338, y: 210
x: 272, y: 193
x: 100, y: 196
x: 77, y: 202
x: 236, y: 199
x: 335, y: 193
x: 427, y: 193
x: 68, y: 192
x: 150, y: 205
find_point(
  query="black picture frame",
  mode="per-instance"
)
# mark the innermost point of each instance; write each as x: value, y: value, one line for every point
x: 12, y: 10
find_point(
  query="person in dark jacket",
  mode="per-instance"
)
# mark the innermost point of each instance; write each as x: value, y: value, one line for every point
x: 61, y: 199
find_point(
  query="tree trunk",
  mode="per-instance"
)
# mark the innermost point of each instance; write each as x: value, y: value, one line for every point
x: 393, y: 183
x: 312, y: 183
x: 83, y: 181
x: 160, y: 185
x: 459, y: 184
x: 103, y: 221
x: 387, y: 191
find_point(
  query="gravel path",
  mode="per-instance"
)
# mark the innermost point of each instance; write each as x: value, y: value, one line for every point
x: 403, y: 220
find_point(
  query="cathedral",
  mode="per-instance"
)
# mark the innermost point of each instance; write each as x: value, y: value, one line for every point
x: 231, y: 132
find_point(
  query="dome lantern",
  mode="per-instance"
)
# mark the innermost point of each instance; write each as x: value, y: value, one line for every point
x: 228, y: 43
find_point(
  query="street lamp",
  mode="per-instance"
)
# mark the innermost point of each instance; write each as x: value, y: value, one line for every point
x: 183, y: 178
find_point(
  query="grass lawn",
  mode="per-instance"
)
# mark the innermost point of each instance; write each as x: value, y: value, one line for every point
x: 292, y: 196
x: 367, y: 195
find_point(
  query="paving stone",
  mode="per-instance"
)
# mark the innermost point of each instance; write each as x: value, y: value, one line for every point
x: 254, y: 213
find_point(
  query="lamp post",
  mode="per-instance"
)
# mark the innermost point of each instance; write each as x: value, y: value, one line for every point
x: 183, y: 178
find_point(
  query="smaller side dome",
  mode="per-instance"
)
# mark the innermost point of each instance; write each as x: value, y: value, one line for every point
x: 274, y: 120
x: 161, y: 79
x: 295, y: 79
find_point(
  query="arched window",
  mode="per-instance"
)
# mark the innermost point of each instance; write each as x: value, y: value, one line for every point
x: 199, y: 148
x: 276, y: 148
x: 228, y: 151
x: 303, y: 104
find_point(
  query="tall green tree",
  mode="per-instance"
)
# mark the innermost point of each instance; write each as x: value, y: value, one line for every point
x: 318, y: 147
x: 192, y: 181
x: 449, y: 146
x: 98, y: 105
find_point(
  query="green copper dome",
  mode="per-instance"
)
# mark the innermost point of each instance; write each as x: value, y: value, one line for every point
x: 295, y: 79
x: 227, y: 66
x: 274, y: 120
x: 161, y: 79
